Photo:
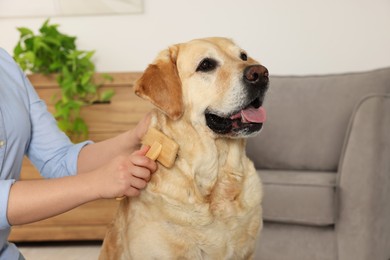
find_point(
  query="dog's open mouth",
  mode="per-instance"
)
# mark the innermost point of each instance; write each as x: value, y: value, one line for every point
x: 246, y: 121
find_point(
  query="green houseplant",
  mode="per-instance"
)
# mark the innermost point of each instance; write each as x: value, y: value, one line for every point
x: 51, y: 51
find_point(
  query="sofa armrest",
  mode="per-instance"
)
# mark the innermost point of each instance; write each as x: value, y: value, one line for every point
x: 363, y: 226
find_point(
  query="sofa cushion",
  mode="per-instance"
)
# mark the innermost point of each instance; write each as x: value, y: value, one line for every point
x: 307, y: 119
x: 299, y: 197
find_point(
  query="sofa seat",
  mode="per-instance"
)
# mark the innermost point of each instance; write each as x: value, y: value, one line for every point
x: 299, y: 197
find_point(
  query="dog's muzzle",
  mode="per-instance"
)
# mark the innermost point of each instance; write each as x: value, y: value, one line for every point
x: 249, y: 119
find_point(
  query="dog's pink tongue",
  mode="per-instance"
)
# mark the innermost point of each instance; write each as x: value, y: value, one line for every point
x: 254, y: 115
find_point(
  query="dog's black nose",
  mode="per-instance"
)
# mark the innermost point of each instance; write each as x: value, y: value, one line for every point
x: 256, y: 75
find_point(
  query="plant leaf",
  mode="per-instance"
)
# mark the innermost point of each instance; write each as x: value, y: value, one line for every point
x: 24, y: 31
x: 51, y: 51
x: 107, y: 95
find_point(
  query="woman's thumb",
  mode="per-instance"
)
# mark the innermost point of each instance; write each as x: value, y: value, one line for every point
x: 143, y: 150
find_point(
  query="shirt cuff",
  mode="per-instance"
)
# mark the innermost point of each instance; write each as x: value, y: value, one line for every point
x: 72, y: 157
x: 5, y: 186
x: 65, y: 164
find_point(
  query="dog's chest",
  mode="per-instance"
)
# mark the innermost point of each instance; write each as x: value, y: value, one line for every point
x: 204, y: 193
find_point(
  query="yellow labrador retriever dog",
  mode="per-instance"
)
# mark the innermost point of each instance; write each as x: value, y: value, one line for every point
x: 209, y: 95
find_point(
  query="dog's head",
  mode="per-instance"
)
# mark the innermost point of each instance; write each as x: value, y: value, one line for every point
x: 211, y: 82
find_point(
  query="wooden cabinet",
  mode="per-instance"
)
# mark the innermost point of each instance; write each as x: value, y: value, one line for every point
x: 87, y: 222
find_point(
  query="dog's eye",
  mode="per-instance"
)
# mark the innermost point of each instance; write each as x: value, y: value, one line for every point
x: 206, y: 65
x: 243, y: 56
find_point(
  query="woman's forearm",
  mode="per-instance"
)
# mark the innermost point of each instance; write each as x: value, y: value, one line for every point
x: 34, y: 200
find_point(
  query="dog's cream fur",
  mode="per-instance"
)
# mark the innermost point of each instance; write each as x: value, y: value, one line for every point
x: 208, y: 205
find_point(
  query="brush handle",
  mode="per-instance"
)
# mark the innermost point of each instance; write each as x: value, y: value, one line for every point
x: 154, y: 151
x: 169, y: 148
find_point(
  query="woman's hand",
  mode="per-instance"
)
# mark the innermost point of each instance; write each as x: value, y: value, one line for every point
x: 124, y: 175
x: 96, y: 155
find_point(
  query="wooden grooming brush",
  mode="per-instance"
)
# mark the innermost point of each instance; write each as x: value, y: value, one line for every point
x: 162, y: 148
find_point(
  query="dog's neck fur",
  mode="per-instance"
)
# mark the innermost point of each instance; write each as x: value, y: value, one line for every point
x: 208, y: 164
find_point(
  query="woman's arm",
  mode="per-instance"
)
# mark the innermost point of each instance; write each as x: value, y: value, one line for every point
x: 31, y: 201
x: 97, y: 154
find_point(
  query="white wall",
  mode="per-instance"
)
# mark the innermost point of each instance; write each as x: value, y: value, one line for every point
x: 289, y: 37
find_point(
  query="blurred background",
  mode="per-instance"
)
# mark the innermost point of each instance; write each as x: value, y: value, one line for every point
x: 290, y: 37
x: 298, y: 37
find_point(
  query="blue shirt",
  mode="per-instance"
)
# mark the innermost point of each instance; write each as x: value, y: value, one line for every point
x: 27, y: 128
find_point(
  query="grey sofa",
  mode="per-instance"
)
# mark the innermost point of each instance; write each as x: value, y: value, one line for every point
x: 324, y: 159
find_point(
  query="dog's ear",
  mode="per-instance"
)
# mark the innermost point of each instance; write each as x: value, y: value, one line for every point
x: 161, y: 85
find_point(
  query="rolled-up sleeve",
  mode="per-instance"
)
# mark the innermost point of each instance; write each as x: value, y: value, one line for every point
x: 5, y: 186
x: 66, y: 165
